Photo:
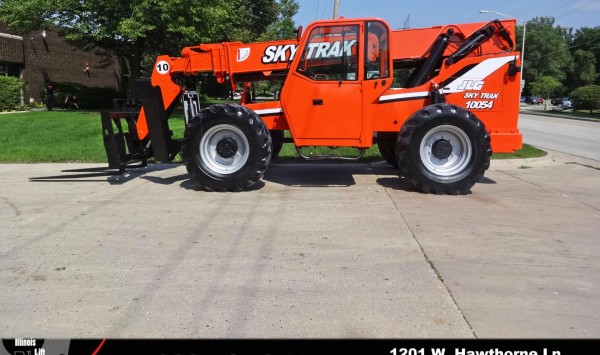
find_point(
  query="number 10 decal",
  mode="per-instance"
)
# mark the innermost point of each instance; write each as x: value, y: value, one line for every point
x: 162, y: 67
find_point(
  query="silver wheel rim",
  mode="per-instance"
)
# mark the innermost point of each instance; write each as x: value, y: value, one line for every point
x: 211, y: 159
x: 461, y: 150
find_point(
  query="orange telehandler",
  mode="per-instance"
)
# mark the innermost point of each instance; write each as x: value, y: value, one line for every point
x: 437, y: 101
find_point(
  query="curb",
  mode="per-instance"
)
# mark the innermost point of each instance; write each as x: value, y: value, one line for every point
x: 541, y: 113
x: 522, y: 163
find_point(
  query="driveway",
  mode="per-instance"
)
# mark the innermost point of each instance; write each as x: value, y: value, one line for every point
x: 315, y: 251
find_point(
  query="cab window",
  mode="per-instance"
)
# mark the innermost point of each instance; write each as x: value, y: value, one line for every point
x: 376, y: 51
x: 331, y: 53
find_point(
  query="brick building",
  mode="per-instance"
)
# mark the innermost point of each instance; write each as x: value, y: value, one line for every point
x: 44, y: 56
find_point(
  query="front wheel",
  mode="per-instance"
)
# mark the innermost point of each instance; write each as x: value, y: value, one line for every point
x: 227, y: 148
x: 277, y: 137
x: 443, y: 149
x: 386, y: 143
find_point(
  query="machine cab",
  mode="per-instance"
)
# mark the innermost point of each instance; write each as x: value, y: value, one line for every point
x: 339, y: 71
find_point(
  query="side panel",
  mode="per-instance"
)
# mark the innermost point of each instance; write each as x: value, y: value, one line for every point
x: 493, y: 96
x: 480, y: 84
x: 486, y: 81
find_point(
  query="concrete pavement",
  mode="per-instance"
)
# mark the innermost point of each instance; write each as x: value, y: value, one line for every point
x: 519, y: 255
x: 316, y: 250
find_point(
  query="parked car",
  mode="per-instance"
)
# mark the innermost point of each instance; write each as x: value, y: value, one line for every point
x: 565, y: 104
x: 534, y: 100
x: 559, y: 100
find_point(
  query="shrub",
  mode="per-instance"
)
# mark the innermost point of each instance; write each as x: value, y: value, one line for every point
x: 28, y: 106
x: 89, y: 97
x: 586, y: 98
x: 10, y: 92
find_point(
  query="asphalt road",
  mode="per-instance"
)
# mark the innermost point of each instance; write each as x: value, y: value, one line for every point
x: 575, y: 137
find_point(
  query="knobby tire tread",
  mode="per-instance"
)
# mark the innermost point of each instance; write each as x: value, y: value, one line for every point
x: 258, y: 137
x: 407, y: 149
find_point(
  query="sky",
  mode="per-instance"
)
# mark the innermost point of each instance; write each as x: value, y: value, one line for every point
x: 427, y: 13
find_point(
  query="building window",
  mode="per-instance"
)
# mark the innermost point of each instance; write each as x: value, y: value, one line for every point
x: 10, y: 69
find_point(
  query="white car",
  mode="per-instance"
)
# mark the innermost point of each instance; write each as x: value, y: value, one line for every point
x: 565, y: 105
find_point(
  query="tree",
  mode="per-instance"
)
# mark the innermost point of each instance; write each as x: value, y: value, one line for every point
x: 588, y: 39
x: 251, y: 18
x: 284, y: 26
x: 128, y: 30
x: 144, y: 28
x: 586, y: 97
x: 544, y: 87
x: 585, y: 62
x: 546, y: 52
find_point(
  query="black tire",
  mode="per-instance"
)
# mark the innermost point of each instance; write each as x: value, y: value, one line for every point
x: 227, y: 148
x: 277, y: 138
x: 386, y: 143
x: 443, y: 149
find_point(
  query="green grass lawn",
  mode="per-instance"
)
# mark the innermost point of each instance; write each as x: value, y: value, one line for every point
x: 76, y: 136
x: 527, y: 152
x: 56, y: 136
x: 575, y: 114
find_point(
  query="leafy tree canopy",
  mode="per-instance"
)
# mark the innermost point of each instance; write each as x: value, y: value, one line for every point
x: 545, y: 86
x: 585, y: 62
x: 546, y: 53
x: 144, y: 27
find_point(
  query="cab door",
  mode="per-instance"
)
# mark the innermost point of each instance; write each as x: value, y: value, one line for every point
x: 322, y: 95
x: 331, y: 94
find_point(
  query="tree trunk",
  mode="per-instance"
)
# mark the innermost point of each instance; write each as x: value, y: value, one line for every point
x: 135, y: 59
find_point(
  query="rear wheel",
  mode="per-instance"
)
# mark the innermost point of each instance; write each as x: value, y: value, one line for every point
x: 443, y: 149
x: 227, y: 148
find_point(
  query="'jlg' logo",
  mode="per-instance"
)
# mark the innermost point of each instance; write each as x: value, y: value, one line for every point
x: 315, y: 50
x: 471, y: 85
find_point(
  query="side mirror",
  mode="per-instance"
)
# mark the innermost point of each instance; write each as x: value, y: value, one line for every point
x: 299, y: 34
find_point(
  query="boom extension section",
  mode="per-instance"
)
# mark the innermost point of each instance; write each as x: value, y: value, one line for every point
x: 149, y: 135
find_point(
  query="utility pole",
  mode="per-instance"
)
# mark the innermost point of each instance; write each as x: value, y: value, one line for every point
x: 336, y: 5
